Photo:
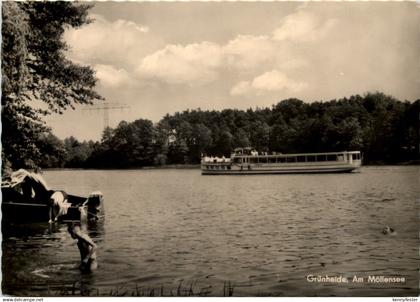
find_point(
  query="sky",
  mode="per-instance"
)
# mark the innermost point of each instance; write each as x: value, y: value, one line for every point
x: 157, y: 58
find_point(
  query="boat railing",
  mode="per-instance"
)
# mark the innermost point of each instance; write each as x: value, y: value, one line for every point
x: 346, y: 156
x: 215, y: 160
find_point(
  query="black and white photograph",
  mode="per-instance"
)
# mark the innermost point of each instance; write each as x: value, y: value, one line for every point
x: 210, y: 149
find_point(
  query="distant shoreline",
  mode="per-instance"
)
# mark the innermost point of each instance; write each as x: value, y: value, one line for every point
x: 197, y: 166
x: 415, y: 162
x: 177, y: 166
x: 162, y: 167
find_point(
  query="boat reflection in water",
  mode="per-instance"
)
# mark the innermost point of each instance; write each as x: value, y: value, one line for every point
x: 248, y: 161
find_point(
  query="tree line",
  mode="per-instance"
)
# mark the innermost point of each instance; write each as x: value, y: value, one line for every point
x: 38, y: 79
x: 385, y: 129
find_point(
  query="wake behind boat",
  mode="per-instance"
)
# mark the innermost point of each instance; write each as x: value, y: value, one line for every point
x: 248, y: 161
x: 26, y: 197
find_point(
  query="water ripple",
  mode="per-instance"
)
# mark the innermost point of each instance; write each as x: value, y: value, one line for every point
x: 262, y: 233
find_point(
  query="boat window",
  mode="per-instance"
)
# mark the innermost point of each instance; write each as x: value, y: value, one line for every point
x: 237, y: 160
x: 356, y: 156
x: 253, y: 160
x: 331, y: 157
x: 321, y: 158
x: 228, y: 167
x: 281, y: 159
x: 291, y: 159
x: 310, y: 158
x: 272, y: 160
x: 301, y: 159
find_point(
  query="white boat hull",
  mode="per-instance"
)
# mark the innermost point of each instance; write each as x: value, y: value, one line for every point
x: 281, y: 171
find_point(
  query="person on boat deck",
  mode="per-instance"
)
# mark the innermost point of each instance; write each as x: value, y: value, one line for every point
x: 86, y: 247
x: 57, y: 205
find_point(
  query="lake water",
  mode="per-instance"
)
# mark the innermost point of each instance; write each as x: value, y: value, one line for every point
x: 175, y: 232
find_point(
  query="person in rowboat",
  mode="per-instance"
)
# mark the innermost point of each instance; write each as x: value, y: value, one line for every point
x: 86, y: 247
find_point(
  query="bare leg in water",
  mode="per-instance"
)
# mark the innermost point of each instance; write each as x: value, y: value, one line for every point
x: 86, y: 247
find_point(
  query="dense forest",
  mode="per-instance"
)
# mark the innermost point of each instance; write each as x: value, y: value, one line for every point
x: 385, y: 129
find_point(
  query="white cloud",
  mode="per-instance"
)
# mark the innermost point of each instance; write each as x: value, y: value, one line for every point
x: 120, y: 42
x: 242, y: 88
x: 110, y: 76
x: 275, y: 80
x: 246, y: 51
x: 271, y: 81
x: 303, y: 26
x: 204, y: 62
x: 124, y: 25
x: 193, y: 64
x: 198, y: 63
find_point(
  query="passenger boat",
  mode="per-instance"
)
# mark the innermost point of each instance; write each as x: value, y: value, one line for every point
x: 248, y: 161
x: 25, y: 198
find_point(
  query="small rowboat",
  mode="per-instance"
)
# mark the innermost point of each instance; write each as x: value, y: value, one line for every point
x: 26, y: 199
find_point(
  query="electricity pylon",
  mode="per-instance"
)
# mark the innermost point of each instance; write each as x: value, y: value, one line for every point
x: 106, y: 106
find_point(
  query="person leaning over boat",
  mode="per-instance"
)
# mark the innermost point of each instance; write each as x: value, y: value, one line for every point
x: 57, y: 205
